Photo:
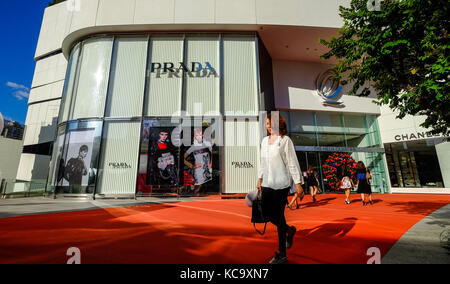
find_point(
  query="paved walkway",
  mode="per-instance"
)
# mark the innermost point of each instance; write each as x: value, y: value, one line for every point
x: 40, y: 205
x: 399, y: 228
x: 427, y: 242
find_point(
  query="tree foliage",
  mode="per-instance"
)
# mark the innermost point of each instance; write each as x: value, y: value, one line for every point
x: 400, y: 50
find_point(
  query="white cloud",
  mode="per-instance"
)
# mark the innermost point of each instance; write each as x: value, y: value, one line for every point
x: 20, y: 95
x: 20, y: 91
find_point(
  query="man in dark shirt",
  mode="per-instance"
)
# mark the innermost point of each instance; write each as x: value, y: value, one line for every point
x: 76, y: 169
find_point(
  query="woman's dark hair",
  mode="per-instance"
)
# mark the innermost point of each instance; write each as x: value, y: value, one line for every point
x: 311, y: 168
x: 361, y: 166
x: 343, y: 171
x: 282, y: 125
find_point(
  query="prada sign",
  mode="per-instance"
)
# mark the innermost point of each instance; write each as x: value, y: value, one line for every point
x: 180, y: 69
x: 119, y: 165
x: 242, y: 165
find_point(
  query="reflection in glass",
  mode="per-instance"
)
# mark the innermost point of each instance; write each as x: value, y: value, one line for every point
x: 93, y: 78
x: 414, y: 164
x: 303, y: 139
x: 69, y: 84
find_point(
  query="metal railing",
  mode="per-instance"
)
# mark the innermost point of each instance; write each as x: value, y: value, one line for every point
x: 20, y: 189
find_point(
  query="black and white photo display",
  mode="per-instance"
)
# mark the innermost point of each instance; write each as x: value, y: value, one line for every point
x: 74, y: 159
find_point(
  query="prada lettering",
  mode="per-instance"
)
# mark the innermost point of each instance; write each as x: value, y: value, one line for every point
x: 242, y: 165
x: 415, y: 136
x: 180, y: 69
x: 119, y: 165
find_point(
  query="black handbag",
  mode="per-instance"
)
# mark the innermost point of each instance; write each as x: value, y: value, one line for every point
x: 258, y: 214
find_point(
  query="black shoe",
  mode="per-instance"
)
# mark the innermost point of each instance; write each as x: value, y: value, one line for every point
x: 314, y: 199
x: 290, y: 236
x: 347, y: 202
x: 364, y: 203
x: 279, y: 258
x: 301, y: 196
x: 371, y: 202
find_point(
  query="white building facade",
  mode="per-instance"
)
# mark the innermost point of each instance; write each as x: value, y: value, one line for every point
x: 112, y: 76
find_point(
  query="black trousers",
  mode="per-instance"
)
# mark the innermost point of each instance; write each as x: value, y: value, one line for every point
x: 273, y: 204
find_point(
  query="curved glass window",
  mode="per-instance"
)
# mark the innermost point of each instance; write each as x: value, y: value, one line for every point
x: 69, y: 84
x: 127, y: 81
x: 93, y: 78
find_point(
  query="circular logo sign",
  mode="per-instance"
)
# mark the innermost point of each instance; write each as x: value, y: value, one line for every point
x: 328, y: 88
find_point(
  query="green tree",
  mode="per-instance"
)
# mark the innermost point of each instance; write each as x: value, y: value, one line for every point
x: 401, y: 50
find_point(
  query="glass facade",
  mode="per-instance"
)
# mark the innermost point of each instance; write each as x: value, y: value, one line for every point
x: 414, y: 164
x: 179, y: 114
x: 123, y: 93
x: 317, y: 136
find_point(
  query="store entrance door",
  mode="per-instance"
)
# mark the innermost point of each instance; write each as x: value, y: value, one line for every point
x: 307, y: 159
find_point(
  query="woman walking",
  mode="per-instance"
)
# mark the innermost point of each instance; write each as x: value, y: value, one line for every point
x: 298, y: 194
x: 346, y: 181
x: 312, y: 181
x: 279, y: 165
x: 363, y: 175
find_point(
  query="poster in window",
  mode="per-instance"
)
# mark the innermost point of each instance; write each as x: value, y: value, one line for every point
x: 163, y: 156
x: 198, y: 160
x: 58, y: 170
x: 79, y: 149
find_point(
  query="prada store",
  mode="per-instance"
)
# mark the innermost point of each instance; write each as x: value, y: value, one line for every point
x: 161, y: 114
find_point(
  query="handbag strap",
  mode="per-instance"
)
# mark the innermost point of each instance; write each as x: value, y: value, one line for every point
x: 259, y: 232
x: 259, y: 196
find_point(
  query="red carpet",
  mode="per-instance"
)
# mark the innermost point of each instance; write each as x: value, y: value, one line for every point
x: 214, y: 231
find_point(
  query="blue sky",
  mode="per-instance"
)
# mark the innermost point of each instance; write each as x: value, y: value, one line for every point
x: 21, y: 23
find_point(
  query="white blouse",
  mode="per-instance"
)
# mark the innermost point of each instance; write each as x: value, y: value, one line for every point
x: 279, y: 163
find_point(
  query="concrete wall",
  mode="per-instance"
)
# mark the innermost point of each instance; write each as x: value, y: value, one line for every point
x: 294, y: 89
x: 396, y: 130
x: 62, y: 25
x: 10, y: 150
x: 443, y: 153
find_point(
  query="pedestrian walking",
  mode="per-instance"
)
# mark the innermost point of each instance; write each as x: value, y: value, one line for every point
x: 313, y: 182
x: 363, y: 177
x: 346, y: 182
x: 299, y: 194
x: 279, y: 165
